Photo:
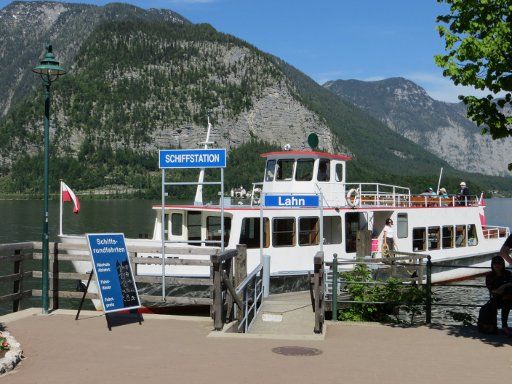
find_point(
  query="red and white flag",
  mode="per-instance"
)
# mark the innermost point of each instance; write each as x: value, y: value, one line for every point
x: 69, y: 195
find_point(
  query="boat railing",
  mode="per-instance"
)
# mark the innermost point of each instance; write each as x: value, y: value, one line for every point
x: 256, y: 193
x: 376, y: 194
x: 495, y: 232
x: 440, y: 201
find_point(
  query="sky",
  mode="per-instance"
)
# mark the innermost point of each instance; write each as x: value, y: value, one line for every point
x: 333, y: 39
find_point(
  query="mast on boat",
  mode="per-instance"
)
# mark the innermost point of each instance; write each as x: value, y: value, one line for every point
x: 198, y: 199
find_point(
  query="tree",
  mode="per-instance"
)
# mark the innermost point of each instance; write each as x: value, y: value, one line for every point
x: 478, y: 42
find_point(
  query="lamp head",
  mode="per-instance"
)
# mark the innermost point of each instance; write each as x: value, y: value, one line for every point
x: 49, y: 65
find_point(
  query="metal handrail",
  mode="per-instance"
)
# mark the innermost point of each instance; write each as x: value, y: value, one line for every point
x: 254, y: 186
x: 255, y: 281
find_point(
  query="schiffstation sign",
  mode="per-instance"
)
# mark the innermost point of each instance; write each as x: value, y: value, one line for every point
x: 192, y: 158
x: 169, y: 159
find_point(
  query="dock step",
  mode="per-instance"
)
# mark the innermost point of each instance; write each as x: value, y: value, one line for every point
x: 285, y: 314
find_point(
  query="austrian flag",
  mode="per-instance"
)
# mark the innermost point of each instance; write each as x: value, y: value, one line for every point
x: 68, y: 195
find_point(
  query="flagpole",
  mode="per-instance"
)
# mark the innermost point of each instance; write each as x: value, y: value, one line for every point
x: 60, y: 210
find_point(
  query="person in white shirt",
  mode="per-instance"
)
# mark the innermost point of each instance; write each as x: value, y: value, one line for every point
x: 389, y: 235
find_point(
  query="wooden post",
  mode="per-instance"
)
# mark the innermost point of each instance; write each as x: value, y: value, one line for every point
x: 240, y: 264
x: 428, y: 304
x: 218, y: 322
x: 363, y: 243
x: 227, y: 276
x: 18, y: 283
x: 318, y: 291
x: 55, y: 277
x: 240, y: 272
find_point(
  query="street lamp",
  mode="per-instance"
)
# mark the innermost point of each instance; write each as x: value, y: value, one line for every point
x: 49, y: 70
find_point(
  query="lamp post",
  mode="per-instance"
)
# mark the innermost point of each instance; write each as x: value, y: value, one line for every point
x: 49, y: 70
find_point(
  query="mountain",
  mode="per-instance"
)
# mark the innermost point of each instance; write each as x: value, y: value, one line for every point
x: 442, y: 128
x: 141, y: 80
x: 26, y: 27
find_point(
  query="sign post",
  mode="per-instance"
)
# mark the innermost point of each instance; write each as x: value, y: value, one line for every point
x: 113, y: 271
x: 191, y: 158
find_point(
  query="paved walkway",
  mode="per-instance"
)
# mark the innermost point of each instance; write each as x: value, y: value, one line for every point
x: 287, y: 315
x: 60, y: 350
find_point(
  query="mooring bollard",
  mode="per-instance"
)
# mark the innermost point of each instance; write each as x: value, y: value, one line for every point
x: 265, y: 260
x: 334, y: 300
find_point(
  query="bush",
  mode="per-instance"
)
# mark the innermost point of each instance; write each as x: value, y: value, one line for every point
x: 384, y: 302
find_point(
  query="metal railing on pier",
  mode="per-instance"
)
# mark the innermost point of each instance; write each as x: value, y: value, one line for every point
x: 337, y: 297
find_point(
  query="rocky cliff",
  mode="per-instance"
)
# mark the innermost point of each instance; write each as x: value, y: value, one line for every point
x: 442, y: 128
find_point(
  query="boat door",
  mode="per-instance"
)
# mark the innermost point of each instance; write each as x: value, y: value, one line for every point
x: 354, y: 221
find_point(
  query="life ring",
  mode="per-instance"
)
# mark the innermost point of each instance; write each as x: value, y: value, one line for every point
x: 353, y: 197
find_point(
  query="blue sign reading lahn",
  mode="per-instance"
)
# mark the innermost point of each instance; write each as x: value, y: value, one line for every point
x: 292, y: 201
x: 192, y: 158
x: 113, y: 272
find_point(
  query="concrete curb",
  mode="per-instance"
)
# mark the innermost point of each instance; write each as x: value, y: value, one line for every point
x: 84, y: 315
x: 13, y: 356
x: 227, y: 332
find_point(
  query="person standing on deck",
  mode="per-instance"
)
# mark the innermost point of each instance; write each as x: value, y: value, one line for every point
x: 388, y: 238
x: 464, y: 190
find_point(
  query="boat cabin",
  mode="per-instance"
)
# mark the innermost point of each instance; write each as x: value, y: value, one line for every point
x: 305, y: 172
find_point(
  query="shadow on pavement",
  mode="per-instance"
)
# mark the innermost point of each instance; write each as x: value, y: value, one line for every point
x: 468, y: 332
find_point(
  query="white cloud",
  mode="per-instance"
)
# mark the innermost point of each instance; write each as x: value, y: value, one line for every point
x: 373, y: 78
x: 324, y: 77
x: 442, y: 88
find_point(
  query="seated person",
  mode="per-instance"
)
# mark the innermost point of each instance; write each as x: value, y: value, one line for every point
x: 442, y: 193
x: 499, y: 283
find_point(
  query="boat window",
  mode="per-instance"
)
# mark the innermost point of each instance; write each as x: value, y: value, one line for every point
x: 332, y: 230
x: 434, y: 234
x: 250, y: 232
x: 284, y: 170
x: 177, y: 224
x: 309, y: 231
x: 283, y: 232
x: 402, y: 226
x: 194, y: 226
x: 270, y: 170
x: 304, y: 171
x: 460, y: 236
x: 213, y: 229
x: 448, y: 237
x: 472, y: 236
x: 323, y: 170
x: 339, y: 172
x: 419, y: 237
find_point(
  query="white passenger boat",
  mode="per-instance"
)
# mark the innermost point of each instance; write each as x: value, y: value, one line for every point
x: 451, y: 230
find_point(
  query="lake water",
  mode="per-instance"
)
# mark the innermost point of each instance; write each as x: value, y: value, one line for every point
x: 22, y: 221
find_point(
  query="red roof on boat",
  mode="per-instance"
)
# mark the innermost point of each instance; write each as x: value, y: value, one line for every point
x: 313, y: 154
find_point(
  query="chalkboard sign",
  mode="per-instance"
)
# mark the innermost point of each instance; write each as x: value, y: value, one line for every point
x: 113, y: 272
